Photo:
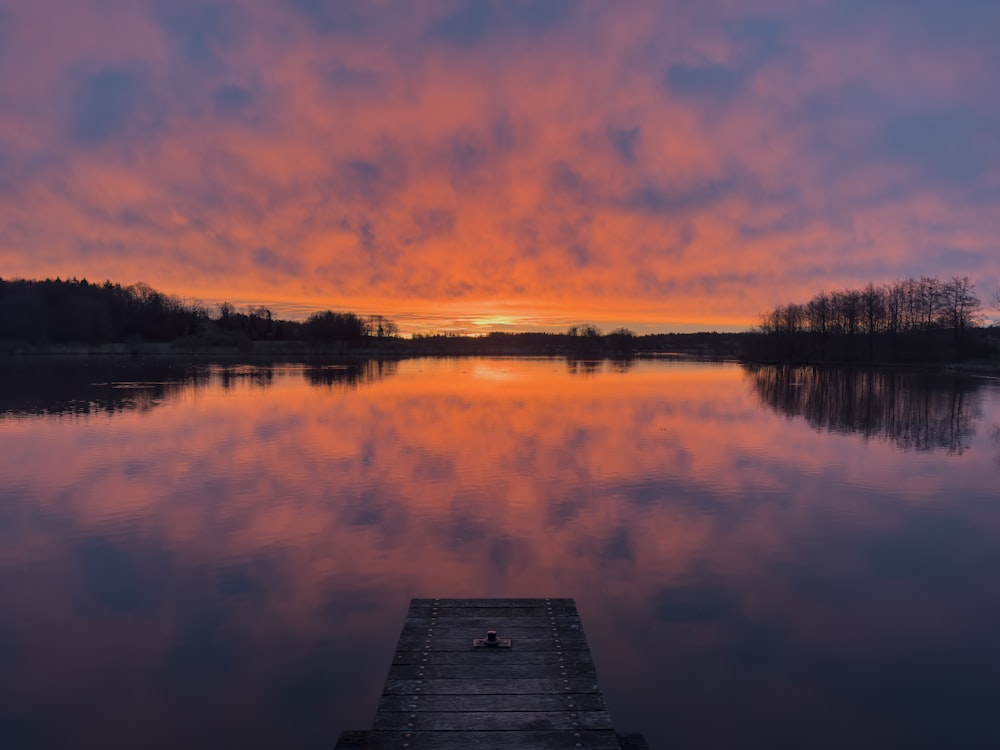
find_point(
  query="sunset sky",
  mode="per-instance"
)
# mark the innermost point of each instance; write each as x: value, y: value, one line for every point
x: 478, y: 164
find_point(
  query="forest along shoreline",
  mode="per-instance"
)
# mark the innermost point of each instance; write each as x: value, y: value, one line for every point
x: 915, y: 323
x: 912, y: 321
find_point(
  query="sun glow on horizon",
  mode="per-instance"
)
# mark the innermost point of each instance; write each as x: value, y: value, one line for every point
x: 496, y: 321
x: 474, y: 318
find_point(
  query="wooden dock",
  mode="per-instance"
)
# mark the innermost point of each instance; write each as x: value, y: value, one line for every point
x: 531, y: 684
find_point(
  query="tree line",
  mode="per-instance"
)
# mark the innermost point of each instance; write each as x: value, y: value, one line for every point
x: 40, y: 313
x: 57, y: 311
x: 910, y: 320
x: 585, y: 341
x: 922, y: 319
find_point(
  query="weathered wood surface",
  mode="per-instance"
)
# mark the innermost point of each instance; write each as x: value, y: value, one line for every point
x: 461, y: 671
x: 473, y: 686
x: 441, y: 693
x: 557, y: 740
x: 527, y: 702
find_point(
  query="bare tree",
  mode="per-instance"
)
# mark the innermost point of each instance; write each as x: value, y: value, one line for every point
x: 793, y: 318
x: 381, y: 327
x: 851, y: 300
x: 588, y: 330
x: 872, y: 309
x: 931, y: 299
x: 818, y: 314
x: 960, y: 307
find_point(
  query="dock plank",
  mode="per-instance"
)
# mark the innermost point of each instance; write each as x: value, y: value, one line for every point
x: 513, y: 740
x: 495, y: 671
x: 453, y: 605
x: 541, y: 642
x: 485, y: 621
x: 515, y: 702
x: 463, y: 634
x: 456, y: 721
x: 470, y: 657
x: 478, y: 686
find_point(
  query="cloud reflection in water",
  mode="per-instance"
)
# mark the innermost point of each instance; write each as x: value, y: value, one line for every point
x: 232, y: 564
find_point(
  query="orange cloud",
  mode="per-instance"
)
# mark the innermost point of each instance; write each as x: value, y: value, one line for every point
x: 650, y: 164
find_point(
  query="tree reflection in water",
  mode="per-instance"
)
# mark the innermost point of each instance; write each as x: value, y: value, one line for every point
x: 44, y: 386
x: 922, y: 411
x: 351, y: 374
x: 583, y: 366
x: 80, y: 387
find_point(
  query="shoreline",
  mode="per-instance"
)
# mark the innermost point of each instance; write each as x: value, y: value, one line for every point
x: 284, y: 353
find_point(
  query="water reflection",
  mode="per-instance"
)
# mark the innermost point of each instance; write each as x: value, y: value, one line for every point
x: 112, y: 386
x: 921, y: 411
x: 575, y: 366
x: 351, y: 374
x: 231, y: 568
x: 81, y: 387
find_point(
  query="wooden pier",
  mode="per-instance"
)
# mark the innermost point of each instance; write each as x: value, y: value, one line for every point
x: 529, y: 684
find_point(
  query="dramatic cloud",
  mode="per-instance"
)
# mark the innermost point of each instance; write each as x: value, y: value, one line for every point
x: 654, y: 164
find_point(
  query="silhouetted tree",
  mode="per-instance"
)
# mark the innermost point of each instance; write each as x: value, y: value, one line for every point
x: 381, y: 327
x: 260, y: 323
x: 621, y: 341
x: 588, y: 331
x: 334, y: 326
x: 585, y: 339
x: 917, y: 313
x: 960, y: 308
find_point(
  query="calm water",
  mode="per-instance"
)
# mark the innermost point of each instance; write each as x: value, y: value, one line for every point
x: 215, y: 556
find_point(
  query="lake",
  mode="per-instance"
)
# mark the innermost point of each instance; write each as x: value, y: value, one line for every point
x: 215, y: 555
